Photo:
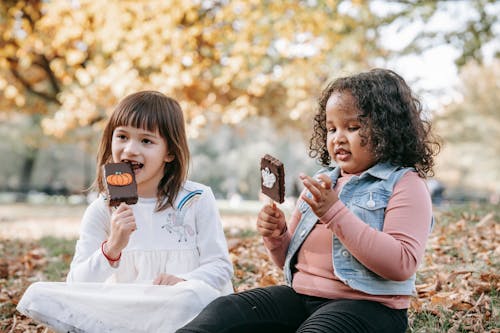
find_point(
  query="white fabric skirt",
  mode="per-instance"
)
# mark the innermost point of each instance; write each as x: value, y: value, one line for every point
x: 103, y: 307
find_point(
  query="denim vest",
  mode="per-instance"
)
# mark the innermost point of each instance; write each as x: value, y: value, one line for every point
x: 366, y: 196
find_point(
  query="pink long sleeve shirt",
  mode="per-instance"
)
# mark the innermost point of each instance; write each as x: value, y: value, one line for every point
x: 393, y: 253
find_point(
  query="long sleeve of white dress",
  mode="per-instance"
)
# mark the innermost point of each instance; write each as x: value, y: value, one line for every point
x: 89, y: 264
x: 215, y: 267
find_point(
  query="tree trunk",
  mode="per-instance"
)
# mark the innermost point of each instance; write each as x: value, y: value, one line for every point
x: 26, y: 173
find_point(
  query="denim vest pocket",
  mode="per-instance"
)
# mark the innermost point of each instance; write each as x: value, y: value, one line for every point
x: 353, y: 268
x: 370, y: 206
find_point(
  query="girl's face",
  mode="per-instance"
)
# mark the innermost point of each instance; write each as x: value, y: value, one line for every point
x: 147, y: 151
x: 343, y: 139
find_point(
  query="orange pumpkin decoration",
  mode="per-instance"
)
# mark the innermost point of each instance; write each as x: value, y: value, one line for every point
x: 119, y: 179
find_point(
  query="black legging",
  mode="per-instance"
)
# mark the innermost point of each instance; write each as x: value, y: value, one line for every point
x: 281, y: 309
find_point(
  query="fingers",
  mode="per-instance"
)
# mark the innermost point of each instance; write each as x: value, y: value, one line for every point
x: 122, y: 226
x: 266, y: 229
x: 321, y: 195
x: 313, y: 187
x: 123, y: 219
x: 325, y: 181
x: 316, y: 186
x: 167, y: 279
x: 124, y: 210
x: 269, y: 219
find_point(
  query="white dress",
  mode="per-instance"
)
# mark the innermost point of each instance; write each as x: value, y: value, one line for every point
x: 187, y: 241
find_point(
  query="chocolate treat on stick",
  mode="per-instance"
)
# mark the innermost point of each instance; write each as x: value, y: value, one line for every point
x: 120, y: 183
x: 272, y: 178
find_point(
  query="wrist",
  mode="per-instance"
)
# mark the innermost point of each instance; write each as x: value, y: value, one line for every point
x: 279, y: 232
x: 110, y: 254
x: 328, y: 216
x: 283, y: 230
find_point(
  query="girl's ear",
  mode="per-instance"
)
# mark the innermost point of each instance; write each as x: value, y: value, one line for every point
x: 169, y: 158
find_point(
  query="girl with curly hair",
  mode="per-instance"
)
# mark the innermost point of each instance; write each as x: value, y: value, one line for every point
x: 357, y: 236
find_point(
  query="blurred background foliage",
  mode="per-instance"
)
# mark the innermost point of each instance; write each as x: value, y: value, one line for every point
x: 247, y: 74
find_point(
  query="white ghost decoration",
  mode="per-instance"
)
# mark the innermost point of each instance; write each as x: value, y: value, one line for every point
x: 268, y: 178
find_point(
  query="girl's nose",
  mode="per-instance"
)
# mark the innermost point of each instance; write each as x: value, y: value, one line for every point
x: 339, y: 137
x: 131, y: 147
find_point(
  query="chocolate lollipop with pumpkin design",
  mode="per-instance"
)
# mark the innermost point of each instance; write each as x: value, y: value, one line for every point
x: 120, y: 183
x: 272, y: 178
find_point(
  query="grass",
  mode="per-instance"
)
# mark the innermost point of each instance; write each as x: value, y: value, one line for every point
x: 59, y: 254
x: 429, y: 322
x: 462, y: 265
x: 458, y: 283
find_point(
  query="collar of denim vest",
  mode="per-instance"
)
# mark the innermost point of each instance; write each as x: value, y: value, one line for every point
x: 381, y: 170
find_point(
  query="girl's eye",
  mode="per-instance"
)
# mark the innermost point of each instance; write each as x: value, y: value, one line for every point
x: 121, y: 136
x: 331, y: 130
x: 353, y: 128
x: 147, y: 141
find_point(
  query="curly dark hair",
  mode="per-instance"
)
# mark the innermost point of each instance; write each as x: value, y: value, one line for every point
x: 391, y: 118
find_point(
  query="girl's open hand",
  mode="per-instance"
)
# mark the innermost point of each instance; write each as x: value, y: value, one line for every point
x: 271, y: 221
x: 322, y: 194
x: 122, y: 225
x: 167, y: 279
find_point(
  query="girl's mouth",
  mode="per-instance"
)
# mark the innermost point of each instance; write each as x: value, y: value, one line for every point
x: 135, y: 165
x: 342, y: 154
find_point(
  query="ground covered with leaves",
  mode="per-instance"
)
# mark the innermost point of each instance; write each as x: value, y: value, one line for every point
x: 458, y: 284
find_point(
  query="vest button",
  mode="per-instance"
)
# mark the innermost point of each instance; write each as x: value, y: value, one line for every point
x: 345, y: 253
x: 302, y: 234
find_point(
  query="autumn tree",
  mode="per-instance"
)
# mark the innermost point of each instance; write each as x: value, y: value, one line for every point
x: 66, y: 63
x: 469, y: 26
x: 470, y: 128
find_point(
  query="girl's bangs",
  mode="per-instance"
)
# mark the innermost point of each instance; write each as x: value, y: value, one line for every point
x: 138, y: 116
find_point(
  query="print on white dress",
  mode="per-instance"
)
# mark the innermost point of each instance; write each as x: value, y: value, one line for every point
x: 175, y: 220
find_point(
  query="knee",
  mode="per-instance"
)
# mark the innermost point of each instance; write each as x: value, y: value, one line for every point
x: 221, y: 303
x: 213, y: 318
x: 222, y: 306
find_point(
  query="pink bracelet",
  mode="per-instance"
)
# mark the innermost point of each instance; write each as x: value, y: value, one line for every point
x: 106, y: 256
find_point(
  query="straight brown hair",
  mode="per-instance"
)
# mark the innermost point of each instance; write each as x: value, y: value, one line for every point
x: 151, y: 111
